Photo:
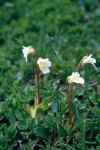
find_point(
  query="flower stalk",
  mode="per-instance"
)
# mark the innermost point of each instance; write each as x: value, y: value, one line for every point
x: 38, y: 83
x: 80, y: 64
x: 70, y: 120
x: 74, y: 78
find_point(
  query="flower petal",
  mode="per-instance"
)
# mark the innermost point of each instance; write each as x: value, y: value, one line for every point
x: 94, y: 66
x: 79, y: 80
x: 25, y: 57
x: 27, y: 50
x: 75, y: 74
x: 44, y: 65
x: 69, y: 79
x: 48, y: 63
x: 90, y: 56
x: 45, y: 71
x: 89, y: 60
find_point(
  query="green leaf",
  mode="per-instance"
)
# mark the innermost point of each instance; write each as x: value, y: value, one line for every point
x: 11, y: 116
x: 97, y: 147
x: 96, y: 110
x: 42, y: 132
x: 55, y: 106
x: 76, y: 113
x: 80, y: 92
x: 40, y: 110
x: 82, y: 106
x: 18, y: 115
x: 22, y: 125
x: 57, y: 119
x: 62, y: 130
x: 91, y: 142
x: 91, y: 125
x: 6, y: 133
x: 30, y: 123
x: 89, y: 135
x: 98, y: 138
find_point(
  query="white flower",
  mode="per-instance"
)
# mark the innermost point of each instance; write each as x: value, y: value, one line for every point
x: 44, y: 65
x: 89, y: 60
x: 27, y: 50
x: 75, y: 77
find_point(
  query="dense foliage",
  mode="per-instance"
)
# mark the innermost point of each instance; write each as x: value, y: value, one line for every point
x: 64, y: 31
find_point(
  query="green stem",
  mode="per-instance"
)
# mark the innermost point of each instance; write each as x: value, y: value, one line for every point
x: 79, y: 64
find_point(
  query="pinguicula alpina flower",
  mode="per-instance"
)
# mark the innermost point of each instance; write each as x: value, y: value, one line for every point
x: 88, y: 59
x: 75, y: 78
x: 44, y: 65
x: 27, y: 50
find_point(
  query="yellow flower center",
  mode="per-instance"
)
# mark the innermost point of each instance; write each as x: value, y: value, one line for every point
x: 78, y: 79
x: 43, y: 66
